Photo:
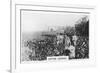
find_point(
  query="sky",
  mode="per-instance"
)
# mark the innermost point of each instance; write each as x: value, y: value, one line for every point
x: 33, y: 21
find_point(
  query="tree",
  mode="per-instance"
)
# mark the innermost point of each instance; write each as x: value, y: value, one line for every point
x: 82, y: 27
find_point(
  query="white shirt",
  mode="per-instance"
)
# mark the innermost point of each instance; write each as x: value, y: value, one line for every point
x: 72, y: 51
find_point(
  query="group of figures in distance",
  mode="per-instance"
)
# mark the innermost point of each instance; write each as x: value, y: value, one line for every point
x: 68, y: 41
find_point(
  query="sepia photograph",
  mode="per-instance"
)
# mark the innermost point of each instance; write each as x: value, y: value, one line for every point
x: 54, y: 35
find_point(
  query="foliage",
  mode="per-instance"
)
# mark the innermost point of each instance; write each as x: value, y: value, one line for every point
x: 82, y: 27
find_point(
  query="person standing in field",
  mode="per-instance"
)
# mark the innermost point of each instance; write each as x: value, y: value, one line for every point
x: 74, y: 39
x: 72, y: 46
x: 67, y: 44
x: 72, y: 51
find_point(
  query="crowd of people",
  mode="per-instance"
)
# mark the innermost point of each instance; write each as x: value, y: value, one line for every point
x: 74, y: 47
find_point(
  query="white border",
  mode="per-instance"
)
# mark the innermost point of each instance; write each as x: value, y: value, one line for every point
x: 15, y: 38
